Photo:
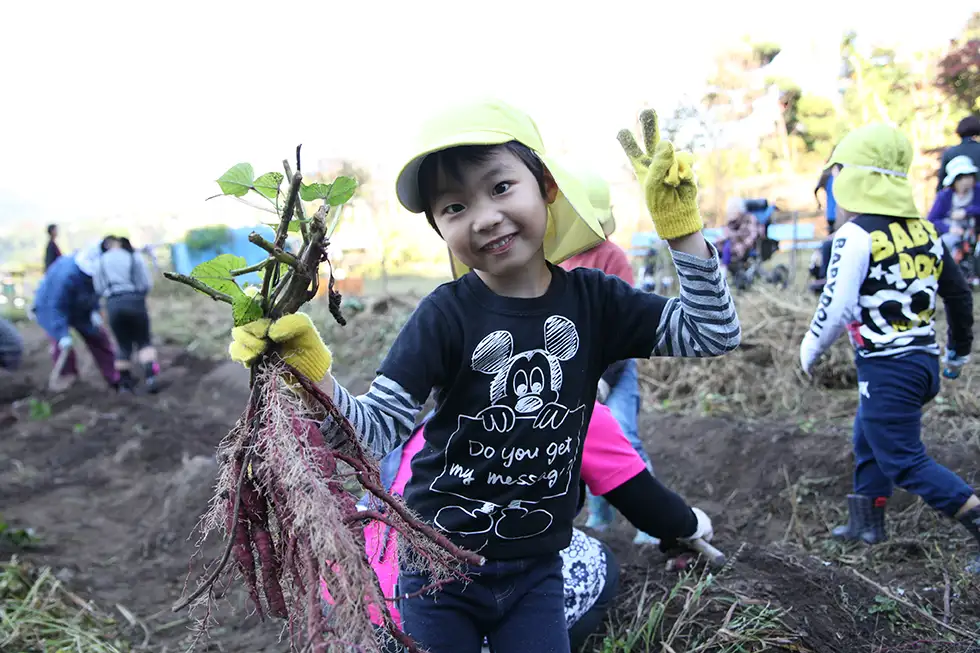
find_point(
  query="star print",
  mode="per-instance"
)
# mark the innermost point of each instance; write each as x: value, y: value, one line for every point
x: 894, y: 277
x: 877, y: 272
x: 937, y: 249
x: 863, y: 389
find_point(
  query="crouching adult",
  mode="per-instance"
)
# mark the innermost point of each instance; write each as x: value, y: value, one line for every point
x: 66, y: 300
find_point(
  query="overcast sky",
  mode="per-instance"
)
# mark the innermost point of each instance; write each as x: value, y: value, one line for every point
x: 115, y: 109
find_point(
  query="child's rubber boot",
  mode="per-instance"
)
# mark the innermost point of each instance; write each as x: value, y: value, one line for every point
x: 150, y: 372
x: 600, y: 514
x: 866, y: 520
x: 971, y: 521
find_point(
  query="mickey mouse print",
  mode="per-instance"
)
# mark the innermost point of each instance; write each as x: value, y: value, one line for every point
x: 510, y: 466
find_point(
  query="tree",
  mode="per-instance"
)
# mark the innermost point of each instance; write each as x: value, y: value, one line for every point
x: 959, y: 71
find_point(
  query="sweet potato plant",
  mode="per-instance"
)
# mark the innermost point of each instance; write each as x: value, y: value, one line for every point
x: 283, y: 501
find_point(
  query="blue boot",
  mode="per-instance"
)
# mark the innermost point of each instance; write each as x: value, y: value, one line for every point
x: 600, y: 513
x: 866, y: 520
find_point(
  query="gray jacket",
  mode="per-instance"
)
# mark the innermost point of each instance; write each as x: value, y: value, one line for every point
x: 118, y: 272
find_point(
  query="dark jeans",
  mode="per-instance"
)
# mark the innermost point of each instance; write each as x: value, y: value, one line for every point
x: 589, y: 622
x: 130, y: 323
x: 888, y: 447
x: 518, y: 605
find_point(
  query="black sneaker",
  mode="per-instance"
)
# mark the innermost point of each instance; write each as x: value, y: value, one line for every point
x: 126, y: 383
x: 866, y: 520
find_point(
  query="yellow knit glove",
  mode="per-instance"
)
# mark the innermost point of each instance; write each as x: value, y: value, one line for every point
x: 668, y: 180
x: 301, y: 345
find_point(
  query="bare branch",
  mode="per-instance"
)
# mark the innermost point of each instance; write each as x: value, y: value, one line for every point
x: 292, y: 199
x: 197, y: 285
x: 297, y: 291
x: 277, y: 253
x: 252, y: 268
x: 300, y: 212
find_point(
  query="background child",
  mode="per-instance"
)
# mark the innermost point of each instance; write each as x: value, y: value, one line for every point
x: 513, y: 349
x: 887, y: 266
x: 619, y: 387
x: 123, y: 279
x: 956, y: 209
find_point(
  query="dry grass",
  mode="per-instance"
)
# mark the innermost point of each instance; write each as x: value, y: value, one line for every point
x: 37, y: 613
x: 695, y: 615
x: 763, y: 378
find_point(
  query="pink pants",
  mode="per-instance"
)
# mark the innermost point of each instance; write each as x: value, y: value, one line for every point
x: 100, y: 345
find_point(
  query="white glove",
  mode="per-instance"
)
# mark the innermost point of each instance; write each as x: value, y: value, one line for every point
x: 65, y: 343
x: 602, y: 392
x: 704, y: 531
x: 96, y: 319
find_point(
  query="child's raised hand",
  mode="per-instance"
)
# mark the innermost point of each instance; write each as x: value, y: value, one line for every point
x: 299, y: 340
x: 668, y: 180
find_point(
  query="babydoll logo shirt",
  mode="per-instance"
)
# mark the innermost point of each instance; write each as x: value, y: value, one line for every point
x: 515, y: 383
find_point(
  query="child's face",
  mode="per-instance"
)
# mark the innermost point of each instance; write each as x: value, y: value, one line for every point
x: 964, y: 183
x: 493, y: 221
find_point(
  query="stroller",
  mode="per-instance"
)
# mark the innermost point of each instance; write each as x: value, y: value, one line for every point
x: 748, y: 269
x: 962, y: 243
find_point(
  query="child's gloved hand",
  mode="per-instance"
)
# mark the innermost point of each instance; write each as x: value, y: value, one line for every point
x: 301, y: 345
x: 705, y: 530
x: 668, y: 180
x: 953, y: 364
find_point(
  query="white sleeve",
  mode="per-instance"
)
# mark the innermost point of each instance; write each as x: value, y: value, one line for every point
x: 846, y: 272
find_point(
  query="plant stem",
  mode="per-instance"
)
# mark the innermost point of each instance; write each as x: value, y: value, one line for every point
x: 278, y: 253
x: 197, y: 285
x: 287, y: 215
x: 300, y: 213
x: 252, y: 268
x: 297, y: 290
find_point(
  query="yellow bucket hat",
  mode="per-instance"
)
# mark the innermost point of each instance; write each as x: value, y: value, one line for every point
x: 573, y: 226
x: 599, y: 198
x: 873, y: 179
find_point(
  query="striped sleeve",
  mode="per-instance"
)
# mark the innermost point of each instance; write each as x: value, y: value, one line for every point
x: 701, y: 322
x: 384, y: 416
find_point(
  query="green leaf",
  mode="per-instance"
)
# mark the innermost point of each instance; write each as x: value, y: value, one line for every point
x: 268, y: 184
x: 311, y: 192
x: 245, y: 309
x: 335, y: 194
x: 237, y: 181
x: 216, y: 273
x: 341, y: 190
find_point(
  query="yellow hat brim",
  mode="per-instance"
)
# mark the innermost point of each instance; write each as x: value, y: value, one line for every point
x: 873, y: 193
